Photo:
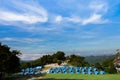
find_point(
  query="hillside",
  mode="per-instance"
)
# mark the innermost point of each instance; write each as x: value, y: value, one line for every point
x: 98, y: 59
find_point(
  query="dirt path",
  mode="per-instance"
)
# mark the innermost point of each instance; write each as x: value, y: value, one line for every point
x: 46, y: 67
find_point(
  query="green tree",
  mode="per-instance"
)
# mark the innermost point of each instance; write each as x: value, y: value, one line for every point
x: 109, y: 67
x: 59, y: 62
x: 77, y: 60
x: 98, y: 65
x: 59, y: 55
x: 9, y: 61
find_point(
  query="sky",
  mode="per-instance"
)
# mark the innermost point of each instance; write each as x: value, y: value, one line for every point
x: 38, y: 27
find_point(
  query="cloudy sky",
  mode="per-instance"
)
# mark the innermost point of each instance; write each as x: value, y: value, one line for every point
x: 44, y: 26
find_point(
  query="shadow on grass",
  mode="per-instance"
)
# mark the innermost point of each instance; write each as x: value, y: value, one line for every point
x: 16, y: 78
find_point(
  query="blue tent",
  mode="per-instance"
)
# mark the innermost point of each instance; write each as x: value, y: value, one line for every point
x: 31, y: 69
x: 39, y: 67
x: 83, y: 72
x: 96, y: 72
x: 59, y: 70
x: 77, y: 70
x: 52, y: 71
x: 71, y: 70
x: 64, y: 70
x: 31, y: 73
x: 102, y: 72
x: 90, y: 72
x: 27, y: 69
x: 95, y: 69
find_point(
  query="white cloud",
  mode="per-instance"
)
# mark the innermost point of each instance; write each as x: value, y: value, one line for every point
x: 25, y: 18
x: 98, y: 7
x: 32, y: 56
x: 23, y: 40
x: 74, y: 19
x: 30, y: 13
x: 6, y: 39
x: 94, y: 19
x: 58, y: 19
x: 93, y: 13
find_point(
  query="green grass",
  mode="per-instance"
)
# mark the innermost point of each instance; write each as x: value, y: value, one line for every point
x: 81, y: 77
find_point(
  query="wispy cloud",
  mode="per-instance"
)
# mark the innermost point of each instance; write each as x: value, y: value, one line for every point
x: 94, y: 19
x: 30, y: 56
x: 23, y: 40
x: 96, y: 11
x: 30, y: 13
x: 98, y: 6
x: 29, y: 25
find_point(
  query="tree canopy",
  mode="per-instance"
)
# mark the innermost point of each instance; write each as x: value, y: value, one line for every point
x: 9, y: 60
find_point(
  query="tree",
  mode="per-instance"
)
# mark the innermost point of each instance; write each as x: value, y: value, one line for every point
x: 109, y: 67
x: 59, y: 62
x: 59, y: 55
x: 9, y: 60
x: 98, y: 65
x: 77, y: 60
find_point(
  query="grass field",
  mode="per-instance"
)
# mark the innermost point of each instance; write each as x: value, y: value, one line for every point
x: 81, y: 77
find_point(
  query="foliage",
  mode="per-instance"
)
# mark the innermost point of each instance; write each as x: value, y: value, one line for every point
x: 99, y: 66
x: 9, y: 61
x: 98, y: 59
x: 109, y: 67
x: 77, y: 60
x: 58, y: 57
x: 73, y: 59
x: 59, y: 62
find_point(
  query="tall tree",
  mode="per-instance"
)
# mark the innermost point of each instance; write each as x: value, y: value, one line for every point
x: 9, y: 60
x: 59, y: 55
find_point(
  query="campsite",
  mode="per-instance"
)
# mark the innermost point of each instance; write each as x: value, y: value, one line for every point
x: 59, y: 39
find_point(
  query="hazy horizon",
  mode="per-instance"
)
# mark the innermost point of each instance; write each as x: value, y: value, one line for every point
x: 34, y: 56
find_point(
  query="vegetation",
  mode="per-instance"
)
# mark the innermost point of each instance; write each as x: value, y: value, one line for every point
x: 73, y: 59
x: 98, y: 59
x: 9, y: 61
x: 109, y: 67
x: 57, y: 57
x: 77, y: 60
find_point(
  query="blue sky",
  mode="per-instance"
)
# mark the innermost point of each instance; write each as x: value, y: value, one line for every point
x: 84, y: 27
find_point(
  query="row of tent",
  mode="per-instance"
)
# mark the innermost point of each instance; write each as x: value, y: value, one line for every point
x: 31, y: 71
x: 73, y: 70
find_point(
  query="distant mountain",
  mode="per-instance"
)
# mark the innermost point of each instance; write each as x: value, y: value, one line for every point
x: 98, y: 59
